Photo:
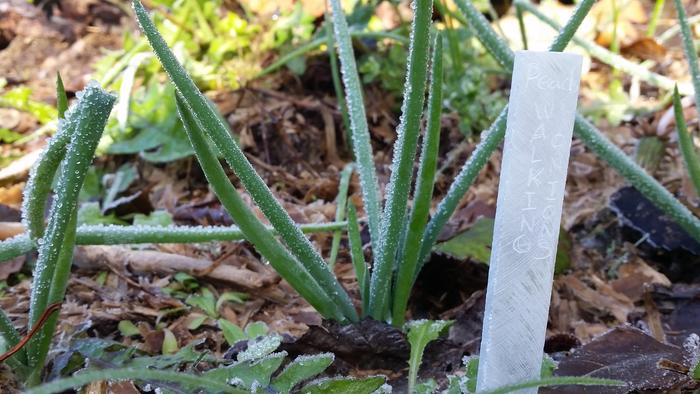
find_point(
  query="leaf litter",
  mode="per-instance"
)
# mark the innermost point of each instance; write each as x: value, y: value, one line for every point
x: 618, y: 286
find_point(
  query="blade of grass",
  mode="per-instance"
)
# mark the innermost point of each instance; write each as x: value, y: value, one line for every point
x: 422, y: 196
x: 90, y: 116
x: 521, y: 25
x: 281, y: 260
x: 211, y: 123
x: 606, y: 56
x: 11, y: 337
x: 452, y: 38
x: 691, y: 53
x: 690, y: 155
x: 398, y: 189
x: 358, y: 258
x: 143, y: 374
x: 361, y: 143
x: 654, y: 19
x: 341, y: 203
x: 61, y: 98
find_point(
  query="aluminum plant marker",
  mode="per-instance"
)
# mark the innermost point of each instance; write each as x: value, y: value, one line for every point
x: 541, y: 115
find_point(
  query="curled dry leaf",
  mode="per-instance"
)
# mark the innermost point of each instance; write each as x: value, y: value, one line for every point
x: 626, y: 354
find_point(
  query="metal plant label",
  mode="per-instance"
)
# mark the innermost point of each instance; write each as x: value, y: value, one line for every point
x: 541, y: 114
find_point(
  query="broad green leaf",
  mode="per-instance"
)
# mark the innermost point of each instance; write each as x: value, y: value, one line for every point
x: 197, y: 321
x: 420, y: 333
x: 247, y: 373
x: 302, y: 368
x: 429, y: 386
x: 90, y: 213
x: 169, y: 342
x: 118, y: 182
x: 205, y: 301
x: 232, y: 333
x: 345, y: 385
x: 8, y: 136
x: 127, y: 328
x: 475, y: 244
x: 260, y: 347
x: 19, y: 98
x: 231, y: 296
x: 79, y: 380
x: 256, y: 329
x: 155, y: 218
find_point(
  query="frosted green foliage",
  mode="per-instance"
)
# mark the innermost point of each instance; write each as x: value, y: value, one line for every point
x: 254, y: 231
x: 249, y: 373
x: 302, y: 368
x: 685, y: 141
x: 361, y: 145
x: 490, y: 139
x: 398, y: 189
x: 583, y: 129
x: 691, y: 52
x: 232, y: 333
x: 15, y: 246
x: 636, y: 176
x: 124, y: 374
x: 341, y: 202
x: 101, y: 234
x: 420, y: 334
x: 41, y: 176
x: 357, y: 256
x: 423, y: 193
x: 193, y: 100
x: 493, y: 43
x: 261, y: 347
x: 90, y: 116
x: 9, y: 336
x: 61, y: 98
x: 345, y: 385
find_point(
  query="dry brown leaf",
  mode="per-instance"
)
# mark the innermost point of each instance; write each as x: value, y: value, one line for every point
x: 634, y: 276
x: 645, y: 48
x: 600, y: 300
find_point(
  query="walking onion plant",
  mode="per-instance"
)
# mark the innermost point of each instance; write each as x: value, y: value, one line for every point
x: 401, y: 239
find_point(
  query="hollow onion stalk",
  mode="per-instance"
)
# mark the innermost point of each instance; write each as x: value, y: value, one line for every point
x: 359, y: 132
x: 281, y: 260
x: 90, y: 116
x: 398, y: 189
x: 212, y: 125
x: 423, y: 193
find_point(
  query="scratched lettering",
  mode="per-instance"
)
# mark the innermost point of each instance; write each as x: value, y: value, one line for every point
x: 541, y: 113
